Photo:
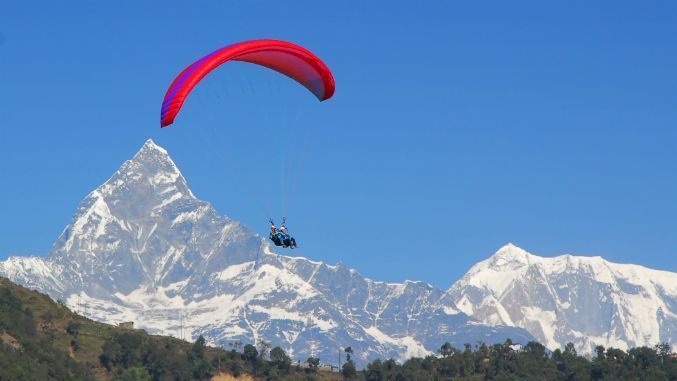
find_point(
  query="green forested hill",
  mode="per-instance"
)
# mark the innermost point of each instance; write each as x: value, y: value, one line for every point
x: 43, y: 340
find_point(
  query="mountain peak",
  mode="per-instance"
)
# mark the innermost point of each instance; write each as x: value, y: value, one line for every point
x: 150, y: 145
x: 151, y: 164
x: 146, y: 194
x: 584, y: 300
x: 511, y: 253
x: 151, y: 152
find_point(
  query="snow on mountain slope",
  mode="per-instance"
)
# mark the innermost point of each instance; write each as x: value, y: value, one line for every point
x: 33, y: 272
x: 584, y: 300
x: 143, y: 248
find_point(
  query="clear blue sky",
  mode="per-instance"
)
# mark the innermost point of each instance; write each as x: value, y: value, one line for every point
x: 456, y: 126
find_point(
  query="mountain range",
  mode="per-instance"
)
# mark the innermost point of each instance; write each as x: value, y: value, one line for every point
x: 141, y: 247
x: 587, y: 301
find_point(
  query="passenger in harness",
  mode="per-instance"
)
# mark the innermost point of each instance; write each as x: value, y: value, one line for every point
x: 281, y: 237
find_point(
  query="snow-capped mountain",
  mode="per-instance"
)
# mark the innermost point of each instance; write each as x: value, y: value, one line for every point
x: 584, y: 300
x: 143, y: 248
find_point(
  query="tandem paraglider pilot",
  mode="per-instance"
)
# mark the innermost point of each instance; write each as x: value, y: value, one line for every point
x: 281, y: 237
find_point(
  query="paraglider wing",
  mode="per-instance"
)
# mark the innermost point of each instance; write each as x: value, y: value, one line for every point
x: 289, y: 59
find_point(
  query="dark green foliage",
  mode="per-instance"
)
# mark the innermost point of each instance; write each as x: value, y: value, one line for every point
x: 349, y: 371
x: 313, y: 363
x: 236, y: 369
x: 124, y: 349
x: 202, y: 370
x: 133, y: 374
x: 198, y: 349
x: 506, y: 362
x: 446, y: 349
x: 168, y: 361
x: 171, y: 361
x: 29, y: 354
x: 73, y: 327
x: 250, y: 353
x: 13, y: 317
x: 280, y: 359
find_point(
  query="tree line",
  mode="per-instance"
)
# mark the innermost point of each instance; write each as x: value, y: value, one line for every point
x: 508, y: 362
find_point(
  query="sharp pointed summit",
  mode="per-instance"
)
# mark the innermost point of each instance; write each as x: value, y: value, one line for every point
x: 140, y: 227
x: 151, y: 145
x: 152, y: 165
x: 141, y: 247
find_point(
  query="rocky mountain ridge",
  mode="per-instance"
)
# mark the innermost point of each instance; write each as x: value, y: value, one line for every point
x: 143, y: 248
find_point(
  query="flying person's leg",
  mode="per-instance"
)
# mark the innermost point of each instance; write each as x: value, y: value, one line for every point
x: 276, y: 240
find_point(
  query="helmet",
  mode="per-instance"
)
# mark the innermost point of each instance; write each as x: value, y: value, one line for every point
x: 272, y: 227
x: 283, y: 228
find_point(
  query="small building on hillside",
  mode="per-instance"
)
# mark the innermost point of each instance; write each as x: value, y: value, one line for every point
x: 126, y: 325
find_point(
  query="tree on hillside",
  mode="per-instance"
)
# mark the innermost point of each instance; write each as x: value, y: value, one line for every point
x: 313, y: 363
x: 202, y: 370
x: 445, y: 349
x: 280, y: 359
x: 250, y: 353
x: 198, y: 348
x: 252, y: 356
x: 349, y: 371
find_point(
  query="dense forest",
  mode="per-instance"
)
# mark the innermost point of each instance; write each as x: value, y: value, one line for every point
x: 530, y: 362
x: 43, y: 340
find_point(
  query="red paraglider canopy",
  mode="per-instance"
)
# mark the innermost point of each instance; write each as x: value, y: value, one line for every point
x: 289, y: 59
